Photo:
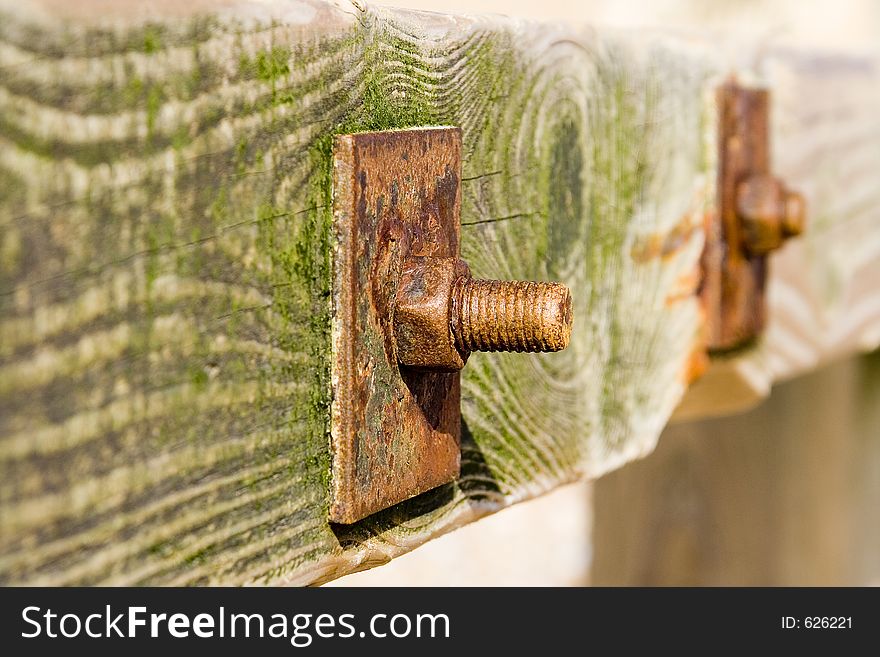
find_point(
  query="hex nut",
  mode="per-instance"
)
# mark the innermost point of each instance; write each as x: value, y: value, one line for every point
x: 421, y: 316
x: 769, y: 212
x: 760, y: 205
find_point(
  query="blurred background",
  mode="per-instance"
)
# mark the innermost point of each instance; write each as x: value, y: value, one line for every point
x: 785, y: 494
x: 833, y: 24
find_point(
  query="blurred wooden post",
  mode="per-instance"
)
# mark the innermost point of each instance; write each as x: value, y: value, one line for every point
x: 787, y: 494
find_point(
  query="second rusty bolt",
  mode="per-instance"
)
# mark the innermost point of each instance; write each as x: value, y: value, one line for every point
x: 769, y: 211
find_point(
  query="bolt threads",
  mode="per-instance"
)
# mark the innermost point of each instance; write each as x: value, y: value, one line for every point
x: 509, y: 315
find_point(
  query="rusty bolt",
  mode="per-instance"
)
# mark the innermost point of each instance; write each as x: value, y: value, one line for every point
x: 770, y: 213
x: 442, y: 315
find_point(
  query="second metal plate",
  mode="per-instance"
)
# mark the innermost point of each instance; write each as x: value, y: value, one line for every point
x: 733, y: 288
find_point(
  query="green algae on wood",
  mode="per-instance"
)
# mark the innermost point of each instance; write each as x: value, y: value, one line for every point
x: 188, y: 216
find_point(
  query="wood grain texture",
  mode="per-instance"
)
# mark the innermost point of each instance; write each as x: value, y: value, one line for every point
x: 165, y: 253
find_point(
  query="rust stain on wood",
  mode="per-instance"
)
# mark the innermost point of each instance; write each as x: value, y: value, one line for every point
x: 665, y: 245
x: 688, y: 285
x: 697, y: 363
x: 685, y: 287
x: 395, y: 432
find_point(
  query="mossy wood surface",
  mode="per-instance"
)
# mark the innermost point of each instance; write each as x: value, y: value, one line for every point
x: 165, y: 262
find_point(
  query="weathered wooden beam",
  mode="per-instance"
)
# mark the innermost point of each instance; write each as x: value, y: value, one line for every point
x: 165, y: 258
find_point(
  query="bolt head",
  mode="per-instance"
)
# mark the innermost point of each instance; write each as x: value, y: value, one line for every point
x: 421, y: 317
x: 769, y: 213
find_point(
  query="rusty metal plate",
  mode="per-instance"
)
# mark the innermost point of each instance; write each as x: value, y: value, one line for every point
x: 733, y: 287
x: 395, y: 432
